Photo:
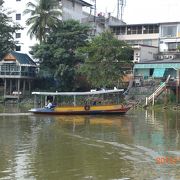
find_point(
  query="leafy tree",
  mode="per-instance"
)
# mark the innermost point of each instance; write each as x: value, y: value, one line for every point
x: 44, y: 15
x: 106, y: 59
x: 7, y: 29
x: 178, y: 48
x: 58, y: 54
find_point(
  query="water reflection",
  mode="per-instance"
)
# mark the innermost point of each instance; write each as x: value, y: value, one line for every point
x: 97, y: 127
x: 90, y: 147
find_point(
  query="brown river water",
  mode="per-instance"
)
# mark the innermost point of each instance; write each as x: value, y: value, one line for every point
x: 142, y: 145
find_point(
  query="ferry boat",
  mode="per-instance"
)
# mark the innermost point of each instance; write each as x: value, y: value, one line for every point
x: 90, y: 106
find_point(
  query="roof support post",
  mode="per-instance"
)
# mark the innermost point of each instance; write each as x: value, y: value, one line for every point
x: 74, y: 100
x: 41, y: 102
x: 45, y: 100
x: 35, y: 101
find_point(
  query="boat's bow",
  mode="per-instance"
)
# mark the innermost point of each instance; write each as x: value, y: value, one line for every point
x: 41, y: 110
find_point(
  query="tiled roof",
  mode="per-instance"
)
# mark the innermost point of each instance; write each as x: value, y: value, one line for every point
x: 23, y: 58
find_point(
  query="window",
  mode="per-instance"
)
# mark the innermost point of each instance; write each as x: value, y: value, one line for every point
x: 133, y: 30
x: 169, y: 31
x: 122, y: 30
x: 147, y: 42
x: 14, y: 67
x: 150, y: 29
x: 146, y: 29
x: 119, y: 30
x: 156, y: 29
x: 5, y: 68
x: 172, y: 46
x: 18, y: 16
x: 136, y: 29
x: 18, y: 35
x: 139, y: 29
x: 18, y: 48
x: 116, y: 30
x: 128, y: 29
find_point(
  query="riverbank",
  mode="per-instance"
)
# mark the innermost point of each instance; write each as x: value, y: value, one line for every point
x: 136, y: 96
x: 15, y: 106
x: 26, y: 104
x: 158, y: 107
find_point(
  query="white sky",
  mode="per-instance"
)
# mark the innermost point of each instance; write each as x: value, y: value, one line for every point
x: 143, y: 11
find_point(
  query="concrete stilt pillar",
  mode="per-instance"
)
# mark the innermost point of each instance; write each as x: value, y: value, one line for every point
x: 24, y: 86
x: 16, y: 84
x: 18, y: 88
x: 5, y: 84
x: 29, y: 87
x: 10, y: 87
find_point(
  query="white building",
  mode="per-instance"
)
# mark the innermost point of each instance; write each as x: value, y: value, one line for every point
x: 72, y: 9
x: 146, y: 34
x: 17, y: 7
x: 143, y: 53
x: 100, y: 22
x: 147, y: 38
x: 169, y: 35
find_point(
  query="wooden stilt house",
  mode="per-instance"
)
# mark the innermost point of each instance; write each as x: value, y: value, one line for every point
x: 17, y: 71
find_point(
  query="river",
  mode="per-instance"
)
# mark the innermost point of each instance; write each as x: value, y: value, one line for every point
x: 142, y: 145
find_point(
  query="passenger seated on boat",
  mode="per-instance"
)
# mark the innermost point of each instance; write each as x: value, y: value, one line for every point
x: 49, y: 105
x: 96, y: 101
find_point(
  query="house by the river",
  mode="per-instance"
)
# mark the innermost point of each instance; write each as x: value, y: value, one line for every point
x: 17, y: 72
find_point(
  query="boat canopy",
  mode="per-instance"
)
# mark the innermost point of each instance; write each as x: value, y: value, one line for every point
x: 92, y: 92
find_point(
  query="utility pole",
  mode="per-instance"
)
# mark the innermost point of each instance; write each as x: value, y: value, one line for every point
x: 94, y: 18
x: 120, y: 7
x: 177, y: 85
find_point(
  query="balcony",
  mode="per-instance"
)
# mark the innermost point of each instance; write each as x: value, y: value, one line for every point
x: 17, y: 74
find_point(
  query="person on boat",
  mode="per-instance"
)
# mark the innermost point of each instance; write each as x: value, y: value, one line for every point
x: 49, y: 105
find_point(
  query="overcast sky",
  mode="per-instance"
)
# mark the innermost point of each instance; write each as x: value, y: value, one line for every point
x: 143, y: 11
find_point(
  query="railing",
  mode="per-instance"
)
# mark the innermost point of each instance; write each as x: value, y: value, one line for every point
x: 157, y: 92
x: 17, y: 73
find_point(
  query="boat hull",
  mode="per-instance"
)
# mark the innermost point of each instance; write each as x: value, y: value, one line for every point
x: 83, y: 110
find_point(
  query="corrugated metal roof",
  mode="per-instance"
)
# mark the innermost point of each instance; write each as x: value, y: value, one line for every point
x: 83, y: 3
x: 78, y: 93
x: 160, y: 61
x: 23, y: 58
x: 157, y: 65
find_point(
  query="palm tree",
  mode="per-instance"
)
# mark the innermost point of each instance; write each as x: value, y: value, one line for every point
x: 45, y: 15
